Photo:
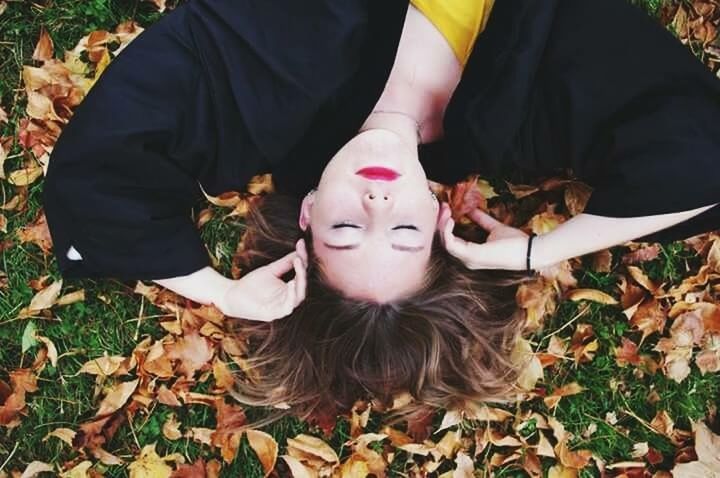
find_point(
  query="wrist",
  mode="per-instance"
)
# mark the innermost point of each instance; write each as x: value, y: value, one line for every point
x: 542, y: 254
x: 221, y: 292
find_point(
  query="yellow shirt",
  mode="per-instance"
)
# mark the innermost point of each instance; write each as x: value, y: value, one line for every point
x: 459, y: 21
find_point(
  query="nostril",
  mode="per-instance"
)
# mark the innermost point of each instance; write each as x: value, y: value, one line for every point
x: 385, y: 198
x: 371, y: 196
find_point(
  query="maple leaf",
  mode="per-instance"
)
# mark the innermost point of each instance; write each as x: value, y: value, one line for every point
x: 531, y: 369
x: 577, y: 195
x: 649, y: 317
x: 583, y: 345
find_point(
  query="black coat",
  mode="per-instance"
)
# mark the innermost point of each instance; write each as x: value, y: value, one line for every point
x: 220, y: 90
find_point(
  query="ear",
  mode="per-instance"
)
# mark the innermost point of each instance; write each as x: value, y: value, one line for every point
x: 305, y: 208
x: 444, y: 214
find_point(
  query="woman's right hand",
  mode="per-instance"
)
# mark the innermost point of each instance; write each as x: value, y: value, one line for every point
x: 262, y: 294
x: 504, y: 248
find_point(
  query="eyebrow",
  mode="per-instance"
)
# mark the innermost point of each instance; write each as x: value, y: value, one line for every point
x: 397, y: 247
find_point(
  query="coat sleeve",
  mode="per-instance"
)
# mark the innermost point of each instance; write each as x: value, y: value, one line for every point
x: 121, y: 180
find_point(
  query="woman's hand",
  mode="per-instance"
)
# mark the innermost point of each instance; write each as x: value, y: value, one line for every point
x: 262, y: 294
x: 505, y: 247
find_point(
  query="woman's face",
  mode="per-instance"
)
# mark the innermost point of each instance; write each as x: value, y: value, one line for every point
x: 372, y: 230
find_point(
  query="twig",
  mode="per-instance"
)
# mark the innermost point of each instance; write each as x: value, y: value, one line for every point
x: 7, y: 460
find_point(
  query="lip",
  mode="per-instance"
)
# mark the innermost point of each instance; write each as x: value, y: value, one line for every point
x: 378, y: 173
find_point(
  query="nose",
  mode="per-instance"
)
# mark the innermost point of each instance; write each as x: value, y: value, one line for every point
x: 375, y: 199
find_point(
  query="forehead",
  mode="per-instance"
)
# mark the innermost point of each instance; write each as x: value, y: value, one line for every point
x: 378, y: 275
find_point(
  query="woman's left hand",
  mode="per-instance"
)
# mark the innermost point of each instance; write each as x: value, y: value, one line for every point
x: 505, y: 247
x: 263, y: 295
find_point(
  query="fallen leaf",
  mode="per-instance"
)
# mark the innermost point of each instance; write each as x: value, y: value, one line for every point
x: 592, y: 295
x: 38, y: 233
x: 551, y: 401
x: 577, y: 195
x: 117, y: 397
x: 193, y: 353
x: 44, y: 47
x: 35, y: 468
x: 152, y: 465
x: 707, y: 447
x: 265, y: 447
x: 25, y: 176
x: 63, y: 434
x: 171, y: 428
x: 78, y: 471
x: 627, y: 353
x: 529, y: 365
x: 230, y: 418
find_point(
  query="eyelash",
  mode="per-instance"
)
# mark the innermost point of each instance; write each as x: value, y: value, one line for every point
x: 354, y: 226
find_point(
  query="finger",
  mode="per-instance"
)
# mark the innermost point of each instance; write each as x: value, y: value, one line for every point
x: 484, y: 220
x: 300, y: 281
x: 282, y: 265
x: 301, y: 249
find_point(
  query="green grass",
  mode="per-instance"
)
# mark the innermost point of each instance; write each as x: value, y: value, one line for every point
x: 86, y: 330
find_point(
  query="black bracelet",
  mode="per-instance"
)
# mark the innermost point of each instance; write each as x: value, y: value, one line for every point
x: 527, y: 256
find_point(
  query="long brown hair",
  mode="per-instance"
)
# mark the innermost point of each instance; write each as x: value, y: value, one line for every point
x: 448, y: 343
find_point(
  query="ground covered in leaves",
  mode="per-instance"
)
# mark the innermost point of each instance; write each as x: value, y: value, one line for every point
x: 621, y: 355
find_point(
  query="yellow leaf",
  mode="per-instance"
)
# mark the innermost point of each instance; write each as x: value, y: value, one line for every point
x: 531, y: 369
x: 25, y: 176
x: 152, y: 465
x: 78, y: 471
x: 64, y: 434
x: 52, y: 352
x: 171, y: 428
x: 591, y: 295
x: 72, y: 297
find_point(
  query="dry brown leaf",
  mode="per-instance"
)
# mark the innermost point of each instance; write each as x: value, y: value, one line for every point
x: 538, y: 298
x: 583, y: 345
x: 52, y: 352
x: 12, y: 397
x: 545, y: 222
x: 552, y: 400
x: 627, y: 353
x: 577, y: 195
x: 297, y: 469
x: 642, y: 279
x: 38, y: 233
x: 707, y: 447
x: 103, y: 366
x: 464, y: 197
x: 260, y: 184
x: 171, y: 428
x: 708, y: 360
x: 531, y: 369
x: 521, y: 190
x: 117, y: 397
x: 151, y: 465
x: 591, y: 295
x: 643, y: 254
x: 63, y: 434
x: 193, y: 352
x: 78, y: 471
x: 35, y: 468
x: 226, y: 435
x: 72, y: 297
x: 649, y: 317
x: 265, y: 447
x: 44, y: 48
x: 311, y: 446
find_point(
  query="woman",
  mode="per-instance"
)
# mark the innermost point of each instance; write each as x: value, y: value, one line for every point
x: 217, y: 91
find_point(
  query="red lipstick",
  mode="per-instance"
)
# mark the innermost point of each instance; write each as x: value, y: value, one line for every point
x: 378, y: 173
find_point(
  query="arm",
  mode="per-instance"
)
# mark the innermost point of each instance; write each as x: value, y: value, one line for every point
x: 506, y: 247
x: 586, y: 233
x: 258, y: 295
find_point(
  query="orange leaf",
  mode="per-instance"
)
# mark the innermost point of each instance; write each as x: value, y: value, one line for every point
x: 117, y: 397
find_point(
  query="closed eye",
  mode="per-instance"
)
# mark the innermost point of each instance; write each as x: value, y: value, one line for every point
x: 345, y: 224
x: 406, y: 226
